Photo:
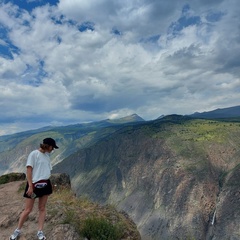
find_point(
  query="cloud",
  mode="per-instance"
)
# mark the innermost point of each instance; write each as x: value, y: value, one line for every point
x: 75, y: 61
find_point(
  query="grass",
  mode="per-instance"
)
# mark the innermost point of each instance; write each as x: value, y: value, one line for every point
x: 99, y: 228
x: 191, y: 140
x: 199, y: 130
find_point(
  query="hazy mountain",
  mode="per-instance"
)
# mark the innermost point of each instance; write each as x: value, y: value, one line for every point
x: 127, y: 119
x: 15, y: 148
x: 230, y: 112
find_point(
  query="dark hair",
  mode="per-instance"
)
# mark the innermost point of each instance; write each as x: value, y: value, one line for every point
x: 44, y: 146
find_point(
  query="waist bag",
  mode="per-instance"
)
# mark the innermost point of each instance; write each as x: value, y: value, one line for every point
x: 41, y: 184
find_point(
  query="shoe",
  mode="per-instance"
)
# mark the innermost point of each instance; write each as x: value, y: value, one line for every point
x: 41, y: 236
x: 15, y: 235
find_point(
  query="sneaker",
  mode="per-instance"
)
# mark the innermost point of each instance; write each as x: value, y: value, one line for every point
x: 15, y: 235
x: 40, y: 235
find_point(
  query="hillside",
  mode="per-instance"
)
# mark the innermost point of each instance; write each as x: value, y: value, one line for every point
x: 175, y: 176
x: 67, y: 218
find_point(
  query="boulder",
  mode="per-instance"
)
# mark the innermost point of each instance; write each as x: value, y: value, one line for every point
x: 60, y: 180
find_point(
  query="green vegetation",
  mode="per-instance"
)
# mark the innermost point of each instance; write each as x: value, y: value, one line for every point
x: 198, y: 130
x: 101, y: 229
x: 11, y: 177
x: 195, y: 142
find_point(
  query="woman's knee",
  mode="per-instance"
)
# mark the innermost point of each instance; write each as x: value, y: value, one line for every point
x: 42, y: 203
x: 41, y: 208
x: 28, y: 210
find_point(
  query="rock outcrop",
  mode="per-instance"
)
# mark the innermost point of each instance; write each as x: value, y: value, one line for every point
x: 60, y: 180
x: 11, y: 177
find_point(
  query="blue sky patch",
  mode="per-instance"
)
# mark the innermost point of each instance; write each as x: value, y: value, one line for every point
x: 6, y: 48
x: 86, y: 26
x: 184, y: 21
x: 29, y: 5
x: 5, y: 52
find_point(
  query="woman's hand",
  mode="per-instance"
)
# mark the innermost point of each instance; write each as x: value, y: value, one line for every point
x: 30, y: 190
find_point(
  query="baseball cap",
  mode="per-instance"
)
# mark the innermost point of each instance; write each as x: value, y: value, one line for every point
x: 50, y: 142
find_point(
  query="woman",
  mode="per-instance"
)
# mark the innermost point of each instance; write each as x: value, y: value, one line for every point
x: 38, y: 185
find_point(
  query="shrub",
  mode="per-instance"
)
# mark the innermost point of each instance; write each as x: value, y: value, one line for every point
x: 101, y: 229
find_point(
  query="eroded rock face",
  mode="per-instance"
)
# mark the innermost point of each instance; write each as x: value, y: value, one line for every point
x: 228, y: 208
x: 169, y: 180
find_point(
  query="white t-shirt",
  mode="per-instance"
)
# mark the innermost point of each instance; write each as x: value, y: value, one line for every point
x: 40, y: 162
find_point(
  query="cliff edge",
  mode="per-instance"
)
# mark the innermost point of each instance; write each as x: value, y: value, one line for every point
x: 68, y: 217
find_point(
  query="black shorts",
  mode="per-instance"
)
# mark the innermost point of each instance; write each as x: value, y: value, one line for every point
x: 39, y: 192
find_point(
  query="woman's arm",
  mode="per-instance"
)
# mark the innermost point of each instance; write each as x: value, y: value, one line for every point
x: 29, y: 179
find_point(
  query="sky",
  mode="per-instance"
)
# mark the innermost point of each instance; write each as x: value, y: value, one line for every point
x: 72, y: 61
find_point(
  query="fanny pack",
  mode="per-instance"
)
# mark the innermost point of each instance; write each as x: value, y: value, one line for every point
x: 40, y: 184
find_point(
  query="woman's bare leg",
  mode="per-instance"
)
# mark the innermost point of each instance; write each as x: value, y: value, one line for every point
x: 42, y: 211
x: 29, y: 202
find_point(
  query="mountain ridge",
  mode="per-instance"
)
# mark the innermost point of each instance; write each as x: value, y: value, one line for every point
x: 229, y: 112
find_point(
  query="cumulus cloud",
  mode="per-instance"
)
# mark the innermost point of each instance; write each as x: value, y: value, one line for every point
x: 74, y: 61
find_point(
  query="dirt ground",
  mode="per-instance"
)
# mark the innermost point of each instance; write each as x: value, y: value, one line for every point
x: 11, y: 206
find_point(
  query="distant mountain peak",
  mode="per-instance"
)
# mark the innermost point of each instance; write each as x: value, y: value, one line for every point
x: 131, y: 118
